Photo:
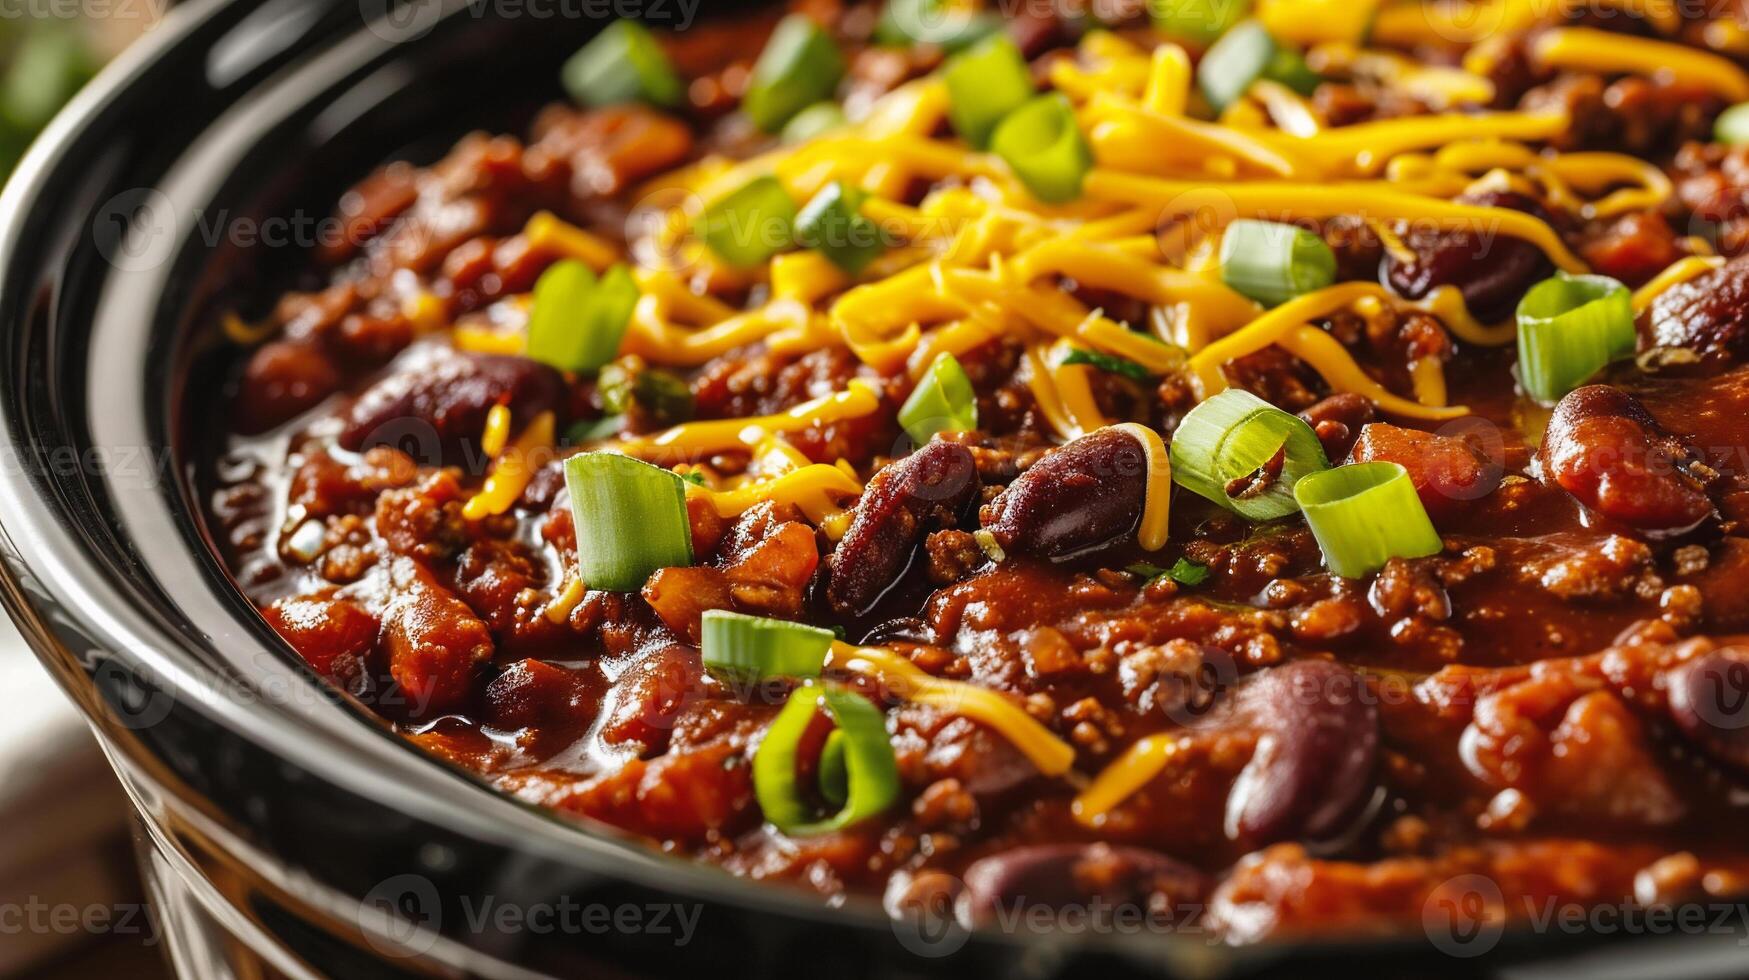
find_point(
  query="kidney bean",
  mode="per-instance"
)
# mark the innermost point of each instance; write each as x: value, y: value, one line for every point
x: 435, y: 411
x: 1083, y: 495
x: 1605, y: 449
x: 1083, y: 877
x: 282, y: 379
x: 1312, y: 771
x: 926, y: 490
x: 1708, y: 314
x: 1447, y: 472
x: 1337, y: 420
x: 1709, y: 701
x: 1493, y: 274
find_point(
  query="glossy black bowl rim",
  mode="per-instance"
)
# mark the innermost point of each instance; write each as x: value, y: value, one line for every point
x: 64, y: 593
x: 85, y: 578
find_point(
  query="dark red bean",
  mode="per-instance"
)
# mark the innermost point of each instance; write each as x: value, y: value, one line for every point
x: 1085, y: 878
x: 1313, y: 770
x: 1337, y: 420
x: 1447, y: 472
x: 1709, y: 701
x: 1086, y: 494
x: 927, y: 490
x: 282, y: 379
x: 436, y: 411
x: 1708, y: 314
x: 1493, y: 273
x: 1605, y: 449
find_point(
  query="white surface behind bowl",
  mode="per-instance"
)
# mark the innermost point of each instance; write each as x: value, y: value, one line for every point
x: 59, y: 805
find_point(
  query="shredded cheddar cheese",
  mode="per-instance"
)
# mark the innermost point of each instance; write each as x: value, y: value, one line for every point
x: 1157, y: 505
x: 497, y: 430
x: 907, y: 681
x: 1123, y: 778
x: 1605, y: 51
x: 515, y: 466
x: 1675, y: 274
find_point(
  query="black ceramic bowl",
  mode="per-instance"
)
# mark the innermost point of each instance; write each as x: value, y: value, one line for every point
x: 285, y: 830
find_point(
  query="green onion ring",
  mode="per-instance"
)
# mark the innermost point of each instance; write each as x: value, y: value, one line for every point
x: 871, y: 772
x: 1569, y: 328
x: 1236, y: 435
x: 750, y: 649
x: 1365, y: 514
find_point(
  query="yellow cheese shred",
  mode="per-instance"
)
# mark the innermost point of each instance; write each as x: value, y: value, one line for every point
x: 905, y: 680
x: 547, y: 232
x: 568, y: 599
x: 693, y: 440
x: 476, y: 339
x: 1157, y: 508
x: 513, y: 469
x: 497, y: 430
x: 1605, y: 51
x: 817, y: 491
x: 1332, y: 361
x: 1124, y: 777
x: 1268, y: 199
x: 1675, y: 274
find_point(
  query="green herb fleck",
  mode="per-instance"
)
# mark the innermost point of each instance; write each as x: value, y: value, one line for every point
x: 1108, y: 362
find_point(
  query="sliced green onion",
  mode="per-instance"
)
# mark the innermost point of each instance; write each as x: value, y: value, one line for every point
x: 801, y: 65
x: 622, y: 64
x: 750, y: 225
x: 630, y: 520
x: 871, y: 773
x: 751, y: 649
x: 1732, y: 126
x: 1569, y: 327
x: 816, y: 120
x: 1243, y: 55
x: 594, y: 430
x: 1198, y: 21
x: 944, y: 24
x: 942, y: 402
x: 984, y: 85
x: 1108, y: 362
x: 1043, y: 145
x: 1245, y: 454
x: 577, y: 321
x: 662, y: 398
x: 1365, y: 514
x: 832, y: 224
x: 1272, y: 263
x: 1183, y: 571
x: 834, y: 776
x: 1187, y: 572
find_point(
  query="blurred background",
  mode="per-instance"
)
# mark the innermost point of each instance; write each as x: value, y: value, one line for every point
x: 71, y: 905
